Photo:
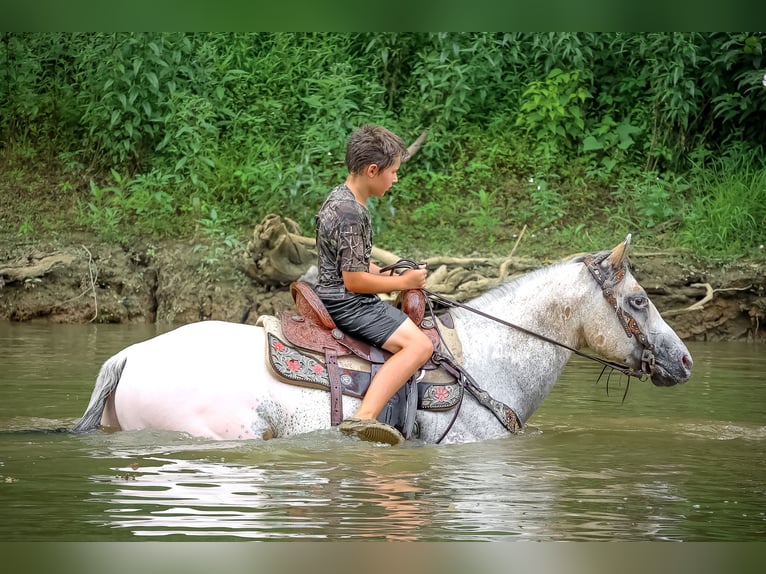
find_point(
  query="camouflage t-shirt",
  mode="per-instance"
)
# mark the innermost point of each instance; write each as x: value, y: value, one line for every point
x: 344, y: 241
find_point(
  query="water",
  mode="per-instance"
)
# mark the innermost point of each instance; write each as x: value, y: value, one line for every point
x: 684, y: 463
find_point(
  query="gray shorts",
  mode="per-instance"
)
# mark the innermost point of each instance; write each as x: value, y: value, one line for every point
x: 365, y: 317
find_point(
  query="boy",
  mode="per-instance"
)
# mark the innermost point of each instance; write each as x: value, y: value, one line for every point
x: 348, y: 282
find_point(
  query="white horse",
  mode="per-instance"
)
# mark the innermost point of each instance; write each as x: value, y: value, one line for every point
x: 211, y: 379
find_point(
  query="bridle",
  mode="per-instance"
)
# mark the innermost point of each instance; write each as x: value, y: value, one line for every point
x: 628, y: 322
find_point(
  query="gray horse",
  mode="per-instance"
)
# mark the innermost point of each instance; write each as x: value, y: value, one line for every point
x: 211, y: 379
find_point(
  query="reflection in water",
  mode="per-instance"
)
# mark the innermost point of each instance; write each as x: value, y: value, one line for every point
x: 365, y: 496
x: 344, y: 490
x: 193, y: 497
x: 315, y: 487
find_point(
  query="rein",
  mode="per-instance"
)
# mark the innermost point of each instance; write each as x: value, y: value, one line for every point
x: 624, y: 369
x: 630, y: 325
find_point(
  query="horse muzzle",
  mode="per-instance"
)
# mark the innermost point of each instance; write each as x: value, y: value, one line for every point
x: 674, y: 372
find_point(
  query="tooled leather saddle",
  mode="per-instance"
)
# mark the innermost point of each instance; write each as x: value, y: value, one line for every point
x: 306, y: 348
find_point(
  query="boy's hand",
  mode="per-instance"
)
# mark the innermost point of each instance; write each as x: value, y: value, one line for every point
x: 415, y: 278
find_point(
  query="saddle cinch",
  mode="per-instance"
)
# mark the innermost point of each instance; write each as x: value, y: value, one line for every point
x: 305, y: 348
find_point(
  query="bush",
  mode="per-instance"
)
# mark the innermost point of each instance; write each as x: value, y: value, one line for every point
x: 251, y: 123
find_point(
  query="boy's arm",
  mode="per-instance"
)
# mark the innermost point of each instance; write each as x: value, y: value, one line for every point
x: 374, y: 282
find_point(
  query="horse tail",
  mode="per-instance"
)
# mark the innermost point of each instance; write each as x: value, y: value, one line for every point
x: 106, y: 383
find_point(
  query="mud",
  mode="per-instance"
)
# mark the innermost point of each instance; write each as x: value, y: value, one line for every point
x: 177, y: 282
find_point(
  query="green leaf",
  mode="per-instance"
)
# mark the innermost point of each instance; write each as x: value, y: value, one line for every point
x: 152, y: 77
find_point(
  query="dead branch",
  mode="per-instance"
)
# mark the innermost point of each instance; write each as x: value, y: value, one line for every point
x: 416, y: 145
x: 34, y: 267
x: 92, y: 275
x: 278, y: 254
x: 700, y: 305
x: 380, y: 255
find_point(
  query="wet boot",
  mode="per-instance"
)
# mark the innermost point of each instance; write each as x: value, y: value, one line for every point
x: 371, y: 430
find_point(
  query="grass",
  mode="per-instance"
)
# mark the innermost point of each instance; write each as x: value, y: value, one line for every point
x: 715, y: 210
x: 727, y: 213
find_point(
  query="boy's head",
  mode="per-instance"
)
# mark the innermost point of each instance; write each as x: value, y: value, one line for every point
x: 373, y: 145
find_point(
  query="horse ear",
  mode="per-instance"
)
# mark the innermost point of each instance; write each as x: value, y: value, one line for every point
x: 618, y: 257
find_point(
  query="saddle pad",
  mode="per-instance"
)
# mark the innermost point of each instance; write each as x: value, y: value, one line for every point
x: 273, y: 325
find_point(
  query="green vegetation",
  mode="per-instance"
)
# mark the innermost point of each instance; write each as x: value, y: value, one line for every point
x: 581, y: 137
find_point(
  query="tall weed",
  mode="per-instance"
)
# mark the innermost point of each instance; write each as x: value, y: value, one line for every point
x: 728, y: 209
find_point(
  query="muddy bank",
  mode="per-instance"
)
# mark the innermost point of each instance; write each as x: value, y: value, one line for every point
x: 176, y: 282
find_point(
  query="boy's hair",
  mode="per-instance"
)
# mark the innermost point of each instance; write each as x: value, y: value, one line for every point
x: 373, y: 144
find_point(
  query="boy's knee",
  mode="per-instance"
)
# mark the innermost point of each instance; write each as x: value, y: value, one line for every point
x: 425, y: 347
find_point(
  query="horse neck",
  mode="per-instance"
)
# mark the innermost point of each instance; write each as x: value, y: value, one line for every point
x: 515, y: 367
x: 544, y: 301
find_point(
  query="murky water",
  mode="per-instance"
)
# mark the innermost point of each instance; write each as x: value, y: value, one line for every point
x: 683, y: 463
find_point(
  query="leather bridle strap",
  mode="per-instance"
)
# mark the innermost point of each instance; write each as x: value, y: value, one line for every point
x: 628, y: 322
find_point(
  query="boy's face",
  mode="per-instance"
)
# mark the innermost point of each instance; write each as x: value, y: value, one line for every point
x: 380, y: 181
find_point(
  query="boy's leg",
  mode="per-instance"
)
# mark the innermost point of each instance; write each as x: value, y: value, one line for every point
x: 411, y: 349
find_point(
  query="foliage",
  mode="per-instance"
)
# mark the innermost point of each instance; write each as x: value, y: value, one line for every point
x: 551, y: 112
x: 168, y: 128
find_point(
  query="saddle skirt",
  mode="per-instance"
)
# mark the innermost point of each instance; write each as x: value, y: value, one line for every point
x: 296, y: 354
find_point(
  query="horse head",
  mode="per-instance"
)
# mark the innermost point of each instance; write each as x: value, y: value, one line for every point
x: 628, y: 327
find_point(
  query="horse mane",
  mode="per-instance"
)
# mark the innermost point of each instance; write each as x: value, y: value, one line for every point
x: 507, y: 288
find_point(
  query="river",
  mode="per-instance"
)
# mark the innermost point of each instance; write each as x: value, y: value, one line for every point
x: 684, y: 463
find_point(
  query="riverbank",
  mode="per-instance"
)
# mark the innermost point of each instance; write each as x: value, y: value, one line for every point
x: 80, y: 279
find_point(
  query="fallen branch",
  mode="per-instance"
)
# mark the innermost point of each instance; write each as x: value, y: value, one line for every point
x: 700, y: 305
x: 515, y: 245
x: 278, y: 254
x: 381, y: 255
x: 387, y: 257
x: 34, y: 268
x: 457, y: 282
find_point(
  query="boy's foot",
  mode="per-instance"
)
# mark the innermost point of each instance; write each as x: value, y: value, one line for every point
x: 371, y: 430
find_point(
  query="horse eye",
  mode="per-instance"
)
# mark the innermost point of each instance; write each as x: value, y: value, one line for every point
x: 639, y: 302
